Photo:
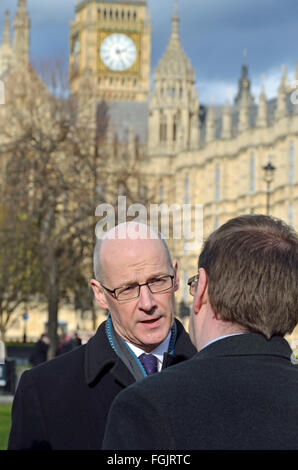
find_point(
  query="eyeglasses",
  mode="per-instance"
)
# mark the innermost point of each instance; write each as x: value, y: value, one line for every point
x: 160, y: 284
x: 193, y: 284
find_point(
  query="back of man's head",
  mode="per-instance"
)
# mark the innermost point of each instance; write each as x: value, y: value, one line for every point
x: 252, y: 267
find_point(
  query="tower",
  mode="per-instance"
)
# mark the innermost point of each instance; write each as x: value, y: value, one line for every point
x: 21, y: 41
x: 174, y: 106
x: 112, y: 39
x: 6, y: 49
x: 244, y: 87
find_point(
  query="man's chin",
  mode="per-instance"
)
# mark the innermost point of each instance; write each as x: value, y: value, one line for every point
x: 154, y: 335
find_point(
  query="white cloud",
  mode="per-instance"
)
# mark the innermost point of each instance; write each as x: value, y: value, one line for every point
x: 271, y: 82
x: 216, y: 91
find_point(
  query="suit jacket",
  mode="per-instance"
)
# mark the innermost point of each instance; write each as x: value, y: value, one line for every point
x: 240, y: 392
x: 64, y: 403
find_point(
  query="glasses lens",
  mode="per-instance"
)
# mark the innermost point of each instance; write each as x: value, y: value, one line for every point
x: 127, y: 293
x: 193, y: 284
x: 193, y: 288
x: 161, y: 284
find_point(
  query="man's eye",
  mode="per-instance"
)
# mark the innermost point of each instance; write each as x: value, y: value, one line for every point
x: 126, y: 290
x: 158, y: 281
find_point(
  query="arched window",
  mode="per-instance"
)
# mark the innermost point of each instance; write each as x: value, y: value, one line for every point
x: 175, y: 127
x: 161, y: 192
x: 217, y: 182
x: 291, y: 163
x: 291, y: 213
x: 163, y: 128
x: 122, y: 189
x: 186, y: 189
x: 252, y: 171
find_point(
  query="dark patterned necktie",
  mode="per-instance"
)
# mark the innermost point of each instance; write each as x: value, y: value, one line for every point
x: 149, y: 361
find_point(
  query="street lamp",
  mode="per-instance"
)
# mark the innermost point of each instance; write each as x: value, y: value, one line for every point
x: 269, y: 170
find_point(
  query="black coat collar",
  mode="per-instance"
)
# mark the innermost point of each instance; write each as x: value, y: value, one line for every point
x: 100, y: 358
x: 247, y: 344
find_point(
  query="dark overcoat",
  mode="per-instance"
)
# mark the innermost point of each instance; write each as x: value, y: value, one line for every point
x: 64, y: 403
x: 240, y: 392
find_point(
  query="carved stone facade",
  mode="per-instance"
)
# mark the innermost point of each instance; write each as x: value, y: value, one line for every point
x: 195, y: 153
x: 121, y: 70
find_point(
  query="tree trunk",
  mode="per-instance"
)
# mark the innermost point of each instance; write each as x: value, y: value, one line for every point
x: 2, y: 338
x: 53, y: 304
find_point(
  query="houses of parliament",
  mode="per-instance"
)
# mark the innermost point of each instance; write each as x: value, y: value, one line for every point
x: 196, y: 153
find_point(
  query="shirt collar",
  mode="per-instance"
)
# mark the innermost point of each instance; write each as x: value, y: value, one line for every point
x: 157, y: 352
x: 222, y: 337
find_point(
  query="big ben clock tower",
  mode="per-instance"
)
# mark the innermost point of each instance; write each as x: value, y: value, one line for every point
x: 112, y: 39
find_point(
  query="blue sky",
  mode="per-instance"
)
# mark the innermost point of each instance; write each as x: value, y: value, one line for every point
x: 214, y: 34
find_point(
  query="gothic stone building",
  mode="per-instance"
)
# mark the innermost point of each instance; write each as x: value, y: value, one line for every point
x: 196, y: 153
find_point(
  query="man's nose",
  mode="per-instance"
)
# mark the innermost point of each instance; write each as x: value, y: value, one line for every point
x: 146, y: 299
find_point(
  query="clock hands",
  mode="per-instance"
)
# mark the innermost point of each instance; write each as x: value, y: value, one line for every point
x: 118, y: 52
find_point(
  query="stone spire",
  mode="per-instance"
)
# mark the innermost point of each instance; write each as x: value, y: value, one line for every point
x: 21, y: 41
x: 244, y: 111
x: 6, y: 49
x: 6, y: 30
x: 262, y: 109
x: 210, y: 124
x: 244, y: 85
x: 226, y: 132
x: 175, y: 61
x: 281, y: 106
x: 174, y: 97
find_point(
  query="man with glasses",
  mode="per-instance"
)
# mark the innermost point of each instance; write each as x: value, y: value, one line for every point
x: 240, y: 390
x: 64, y: 404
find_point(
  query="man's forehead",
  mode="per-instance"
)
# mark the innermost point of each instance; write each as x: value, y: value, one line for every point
x: 131, y: 258
x: 129, y: 249
x: 131, y: 231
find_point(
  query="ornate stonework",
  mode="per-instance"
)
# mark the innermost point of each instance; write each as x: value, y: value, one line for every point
x: 113, y: 40
x: 195, y: 153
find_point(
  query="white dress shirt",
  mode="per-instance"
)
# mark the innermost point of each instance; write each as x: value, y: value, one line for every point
x: 158, y: 352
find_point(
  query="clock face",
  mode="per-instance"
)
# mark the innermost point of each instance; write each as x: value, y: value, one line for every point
x: 118, y: 52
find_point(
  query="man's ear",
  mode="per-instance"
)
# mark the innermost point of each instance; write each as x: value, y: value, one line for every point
x: 176, y: 278
x: 99, y: 294
x: 202, y: 291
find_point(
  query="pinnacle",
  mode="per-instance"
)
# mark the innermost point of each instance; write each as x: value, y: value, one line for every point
x: 174, y: 60
x: 6, y: 29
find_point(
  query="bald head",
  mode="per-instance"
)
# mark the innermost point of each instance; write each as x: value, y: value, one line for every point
x: 124, y: 237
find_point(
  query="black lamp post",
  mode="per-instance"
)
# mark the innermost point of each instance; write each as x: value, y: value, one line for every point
x: 269, y: 170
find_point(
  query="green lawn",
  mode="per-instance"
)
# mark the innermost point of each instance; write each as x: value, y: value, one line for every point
x: 5, y: 411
